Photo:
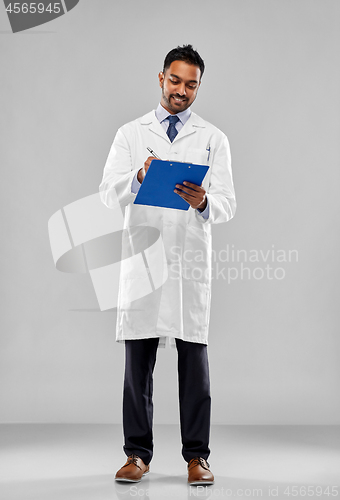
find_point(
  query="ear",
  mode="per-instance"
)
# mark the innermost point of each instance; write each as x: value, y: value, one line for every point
x: 161, y: 78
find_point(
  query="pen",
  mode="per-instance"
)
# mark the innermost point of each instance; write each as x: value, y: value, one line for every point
x: 153, y: 153
x: 208, y: 149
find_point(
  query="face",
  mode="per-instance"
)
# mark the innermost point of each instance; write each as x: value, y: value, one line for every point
x: 179, y: 85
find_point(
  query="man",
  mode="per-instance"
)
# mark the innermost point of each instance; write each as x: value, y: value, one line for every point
x: 179, y: 309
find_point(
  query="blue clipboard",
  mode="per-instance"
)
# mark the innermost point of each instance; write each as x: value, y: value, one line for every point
x: 160, y: 180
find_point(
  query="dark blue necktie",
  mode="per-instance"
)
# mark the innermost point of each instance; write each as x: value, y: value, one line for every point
x: 172, y: 131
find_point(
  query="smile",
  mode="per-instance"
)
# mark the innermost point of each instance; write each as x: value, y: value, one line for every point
x: 178, y: 100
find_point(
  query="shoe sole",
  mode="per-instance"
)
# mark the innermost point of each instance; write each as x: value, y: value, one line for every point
x: 127, y: 480
x: 200, y: 483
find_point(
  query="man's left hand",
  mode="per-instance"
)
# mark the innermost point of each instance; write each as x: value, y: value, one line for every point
x: 192, y: 193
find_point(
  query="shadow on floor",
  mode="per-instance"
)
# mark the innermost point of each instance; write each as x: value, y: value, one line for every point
x: 158, y: 487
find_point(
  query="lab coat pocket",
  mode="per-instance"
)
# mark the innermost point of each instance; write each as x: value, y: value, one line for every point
x: 196, y: 307
x: 197, y: 254
x: 197, y: 155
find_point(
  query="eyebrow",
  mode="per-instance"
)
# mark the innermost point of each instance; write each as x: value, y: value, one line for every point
x: 172, y: 74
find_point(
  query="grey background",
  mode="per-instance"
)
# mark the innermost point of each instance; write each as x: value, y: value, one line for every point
x: 272, y: 85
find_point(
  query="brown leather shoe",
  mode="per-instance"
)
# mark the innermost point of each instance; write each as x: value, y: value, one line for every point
x: 199, y: 473
x: 133, y: 470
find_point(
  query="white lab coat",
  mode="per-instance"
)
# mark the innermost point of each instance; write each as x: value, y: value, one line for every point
x: 180, y: 308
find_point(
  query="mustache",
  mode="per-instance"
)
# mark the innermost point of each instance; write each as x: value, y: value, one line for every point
x: 179, y: 97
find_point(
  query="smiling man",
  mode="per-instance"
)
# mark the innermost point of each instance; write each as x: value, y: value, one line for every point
x: 179, y: 310
x: 179, y: 86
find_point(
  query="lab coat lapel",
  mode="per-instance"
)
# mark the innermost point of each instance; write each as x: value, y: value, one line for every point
x: 149, y: 120
x: 194, y: 124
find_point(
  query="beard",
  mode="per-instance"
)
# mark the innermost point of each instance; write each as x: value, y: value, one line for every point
x: 167, y: 102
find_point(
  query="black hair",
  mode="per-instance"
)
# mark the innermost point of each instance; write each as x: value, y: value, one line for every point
x: 185, y: 53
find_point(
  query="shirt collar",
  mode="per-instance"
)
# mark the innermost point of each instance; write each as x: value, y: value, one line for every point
x: 162, y: 114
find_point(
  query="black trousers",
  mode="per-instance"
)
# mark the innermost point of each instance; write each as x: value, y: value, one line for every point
x: 194, y: 398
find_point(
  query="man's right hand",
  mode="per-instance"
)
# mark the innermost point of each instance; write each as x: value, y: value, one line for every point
x: 142, y: 171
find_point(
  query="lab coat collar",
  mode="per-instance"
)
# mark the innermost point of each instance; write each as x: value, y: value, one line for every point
x: 190, y: 127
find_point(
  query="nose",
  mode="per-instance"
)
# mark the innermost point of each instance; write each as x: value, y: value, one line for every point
x: 181, y: 89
